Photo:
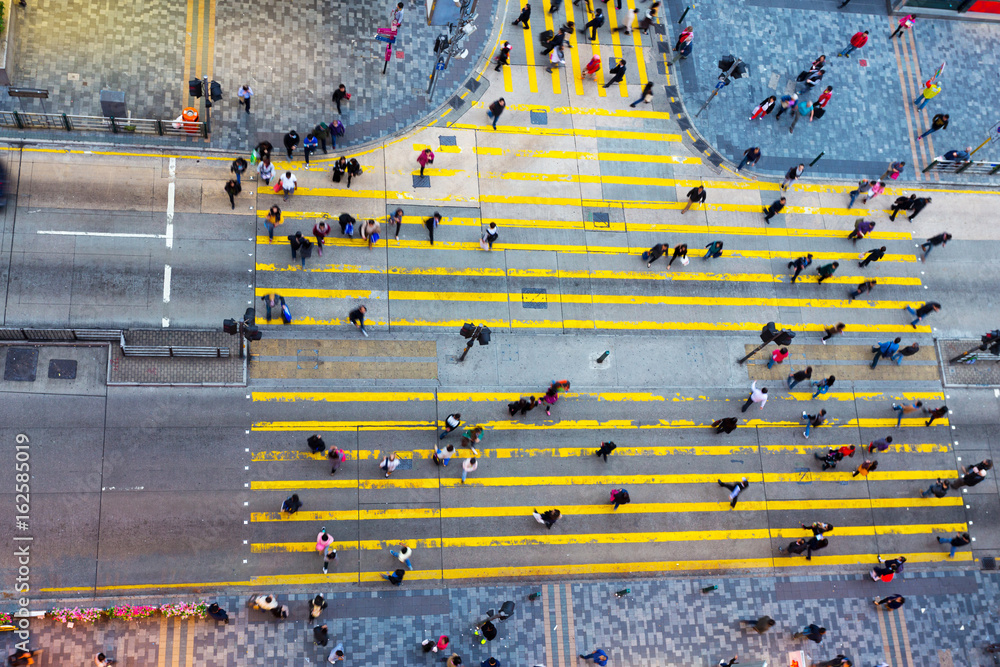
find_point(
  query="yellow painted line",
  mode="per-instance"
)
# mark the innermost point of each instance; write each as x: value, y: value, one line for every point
x: 605, y: 508
x: 627, y: 112
x: 557, y: 72
x: 585, y: 273
x: 583, y: 480
x: 187, y: 48
x: 575, y: 55
x: 638, y: 55
x: 529, y: 54
x: 343, y: 396
x: 563, y: 539
x: 508, y: 81
x: 199, y: 53
x: 417, y: 148
x: 574, y: 132
x: 210, y: 50
x: 535, y: 571
x: 602, y: 299
x: 584, y: 155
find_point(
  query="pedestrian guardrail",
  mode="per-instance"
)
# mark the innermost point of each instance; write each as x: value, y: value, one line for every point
x: 70, y: 123
x: 963, y: 167
x: 20, y: 333
x: 174, y: 351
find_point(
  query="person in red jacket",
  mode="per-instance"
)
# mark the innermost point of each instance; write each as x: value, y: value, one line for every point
x: 857, y: 41
x: 824, y: 97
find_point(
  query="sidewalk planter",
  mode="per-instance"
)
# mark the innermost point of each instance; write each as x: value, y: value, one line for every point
x: 7, y: 43
x: 128, y: 612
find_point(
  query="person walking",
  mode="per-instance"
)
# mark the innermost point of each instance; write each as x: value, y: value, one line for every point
x: 316, y: 444
x: 901, y: 204
x: 792, y: 175
x: 764, y: 108
x: 796, y: 548
x: 646, y: 96
x: 471, y: 437
x: 396, y: 220
x: 826, y: 270
x: 811, y: 632
x: 774, y: 209
x: 243, y: 96
x: 800, y: 263
x: 735, y: 489
x: 357, y: 318
x: 890, y: 602
x: 905, y: 24
x: 680, y: 251
x: 714, y: 250
x: 777, y: 357
x: 265, y: 170
x: 923, y: 311
x: 893, y: 171
x: 337, y: 458
x: 907, y: 351
x: 881, y: 445
x: 787, y: 102
x: 823, y: 386
x: 617, y: 73
x: 606, y: 448
x: 547, y: 518
x: 803, y: 108
x: 685, y: 41
x: 824, y: 97
x: 217, y: 613
x: 939, y: 122
x: 835, y: 330
x: 296, y: 241
x: 885, y: 350
x: 238, y: 167
x: 489, y: 237
x: 594, y: 24
x: 347, y: 224
x: 878, y: 187
x: 523, y: 17
x: 403, y: 555
x: 591, y: 69
x: 974, y: 475
x: 429, y: 645
x: 504, y: 57
x: 425, y: 157
x: 887, y: 568
x: 760, y: 625
x: 813, y: 420
x: 756, y: 396
x: 917, y: 206
x: 316, y: 606
x: 695, y: 196
x: 288, y: 184
x: 750, y: 157
x: 442, y: 455
x: 873, y: 255
x: 726, y: 425
x: 864, y: 288
x: 370, y: 232
x: 310, y: 145
x: 799, y: 376
x: 389, y: 463
x: 556, y: 60
x: 291, y: 141
x: 497, y: 108
x: 340, y: 95
x: 291, y: 504
x: 321, y: 230
x: 858, y: 40
x: 323, y: 134
x: 830, y: 459
x: 619, y: 497
x: 864, y: 186
x: 431, y: 224
x: 938, y: 489
x: 656, y: 252
x: 395, y: 578
x: 862, y: 228
x: 936, y: 413
x: 865, y: 468
x: 469, y: 465
x: 598, y: 656
x: 903, y: 409
x: 960, y: 540
x: 232, y: 189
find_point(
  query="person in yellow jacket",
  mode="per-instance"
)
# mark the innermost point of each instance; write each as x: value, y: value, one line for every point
x: 931, y: 89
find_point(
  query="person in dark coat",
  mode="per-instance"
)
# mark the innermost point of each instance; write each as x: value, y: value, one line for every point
x: 656, y: 252
x: 617, y: 73
x: 727, y: 425
x: 232, y: 189
x: 291, y: 141
x: 395, y: 578
x: 339, y: 169
x: 524, y: 16
x: 218, y: 613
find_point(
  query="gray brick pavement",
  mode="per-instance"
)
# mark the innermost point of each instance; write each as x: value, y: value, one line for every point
x: 177, y: 370
x: 662, y: 621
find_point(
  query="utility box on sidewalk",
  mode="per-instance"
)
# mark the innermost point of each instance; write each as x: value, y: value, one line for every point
x: 113, y: 104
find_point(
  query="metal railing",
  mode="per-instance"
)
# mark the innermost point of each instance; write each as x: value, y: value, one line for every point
x: 69, y: 123
x: 974, y: 167
x: 18, y: 333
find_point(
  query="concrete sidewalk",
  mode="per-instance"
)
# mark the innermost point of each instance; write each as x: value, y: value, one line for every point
x: 946, y: 621
x: 871, y: 120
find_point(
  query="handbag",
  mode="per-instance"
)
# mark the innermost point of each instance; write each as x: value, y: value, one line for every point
x: 483, y: 244
x: 645, y: 254
x: 286, y: 315
x: 894, y: 175
x: 685, y: 261
x: 349, y: 229
x: 277, y: 187
x: 373, y: 238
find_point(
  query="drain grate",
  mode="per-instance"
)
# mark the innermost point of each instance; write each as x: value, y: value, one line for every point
x: 62, y: 369
x: 535, y: 298
x: 22, y: 363
x: 988, y: 563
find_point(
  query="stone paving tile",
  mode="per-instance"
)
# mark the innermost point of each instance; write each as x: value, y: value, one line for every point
x: 865, y: 127
x: 983, y: 373
x: 292, y: 59
x: 661, y: 621
x: 177, y: 370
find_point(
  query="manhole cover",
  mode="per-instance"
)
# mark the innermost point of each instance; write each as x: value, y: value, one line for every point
x: 307, y: 359
x: 989, y: 563
x: 448, y: 140
x: 62, y: 369
x: 539, y: 118
x: 22, y: 362
x: 535, y: 298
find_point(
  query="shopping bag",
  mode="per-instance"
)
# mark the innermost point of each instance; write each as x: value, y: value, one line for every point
x: 685, y: 261
x: 286, y: 315
x: 277, y: 187
x: 483, y: 244
x: 373, y: 238
x: 349, y: 229
x: 645, y: 254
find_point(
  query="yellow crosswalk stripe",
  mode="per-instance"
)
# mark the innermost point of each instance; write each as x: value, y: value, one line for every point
x: 591, y: 569
x: 601, y: 299
x: 583, y: 480
x: 627, y: 112
x: 567, y: 424
x: 568, y: 452
x: 529, y: 54
x: 584, y: 155
x: 638, y: 55
x: 594, y: 274
x: 556, y: 73
x: 617, y: 396
x: 572, y: 132
x: 632, y: 508
x: 563, y: 539
x: 616, y: 46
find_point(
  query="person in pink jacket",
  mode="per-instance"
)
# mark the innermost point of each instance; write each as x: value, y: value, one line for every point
x: 426, y: 157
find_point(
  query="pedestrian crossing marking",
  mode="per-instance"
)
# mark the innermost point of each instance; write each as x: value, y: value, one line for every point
x: 639, y: 54
x: 556, y: 73
x: 572, y: 132
x: 571, y: 452
x: 395, y: 514
x: 594, y: 274
x: 566, y: 424
x: 479, y: 396
x: 597, y: 299
x: 606, y: 480
x: 584, y: 155
x: 529, y: 54
x: 586, y: 111
x: 563, y: 539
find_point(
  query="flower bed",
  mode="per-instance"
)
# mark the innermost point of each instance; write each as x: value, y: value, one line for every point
x: 125, y: 612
